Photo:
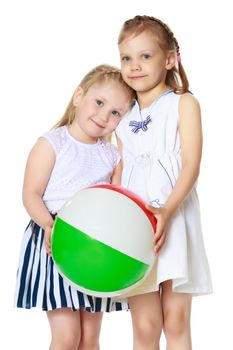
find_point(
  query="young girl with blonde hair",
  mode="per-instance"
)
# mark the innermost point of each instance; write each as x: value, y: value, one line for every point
x: 71, y: 156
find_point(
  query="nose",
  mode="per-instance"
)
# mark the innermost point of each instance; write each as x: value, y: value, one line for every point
x: 135, y: 65
x: 104, y: 116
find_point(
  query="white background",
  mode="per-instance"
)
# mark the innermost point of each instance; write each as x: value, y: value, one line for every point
x: 46, y: 48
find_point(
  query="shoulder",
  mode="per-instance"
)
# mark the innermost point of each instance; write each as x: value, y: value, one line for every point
x: 43, y: 146
x: 54, y: 133
x: 189, y: 115
x: 189, y: 107
x: 56, y: 138
x: 188, y: 100
x: 41, y: 153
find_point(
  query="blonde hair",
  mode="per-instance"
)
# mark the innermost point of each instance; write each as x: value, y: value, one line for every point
x: 100, y: 74
x: 176, y: 77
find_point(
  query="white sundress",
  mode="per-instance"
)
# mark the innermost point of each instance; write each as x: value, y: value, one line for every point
x: 152, y: 162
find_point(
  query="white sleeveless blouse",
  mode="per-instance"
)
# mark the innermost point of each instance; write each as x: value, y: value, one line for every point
x: 78, y: 165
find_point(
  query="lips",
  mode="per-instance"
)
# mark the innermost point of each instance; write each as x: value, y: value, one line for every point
x: 138, y: 77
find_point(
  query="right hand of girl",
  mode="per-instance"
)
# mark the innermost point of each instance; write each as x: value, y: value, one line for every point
x: 47, y: 235
x: 163, y: 219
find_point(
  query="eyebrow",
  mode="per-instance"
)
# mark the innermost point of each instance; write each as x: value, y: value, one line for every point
x: 142, y: 51
x: 101, y: 97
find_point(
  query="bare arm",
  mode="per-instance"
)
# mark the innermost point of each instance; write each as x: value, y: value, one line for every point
x: 190, y: 131
x: 37, y: 173
x: 191, y: 148
x: 116, y: 177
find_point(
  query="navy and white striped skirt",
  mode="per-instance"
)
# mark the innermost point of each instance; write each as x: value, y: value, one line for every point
x: 40, y: 285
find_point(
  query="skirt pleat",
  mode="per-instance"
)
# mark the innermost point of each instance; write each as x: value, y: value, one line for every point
x: 39, y: 284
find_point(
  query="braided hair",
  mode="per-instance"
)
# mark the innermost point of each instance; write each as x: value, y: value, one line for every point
x: 100, y: 74
x: 176, y: 77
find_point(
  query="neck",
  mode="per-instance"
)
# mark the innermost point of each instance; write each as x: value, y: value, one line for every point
x: 145, y: 98
x: 78, y: 134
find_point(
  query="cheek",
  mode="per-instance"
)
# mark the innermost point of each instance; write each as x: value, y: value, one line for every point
x: 161, y: 63
x: 113, y: 123
x: 124, y: 71
x: 88, y: 111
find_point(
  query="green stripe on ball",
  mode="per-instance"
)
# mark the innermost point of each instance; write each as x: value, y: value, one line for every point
x: 91, y: 264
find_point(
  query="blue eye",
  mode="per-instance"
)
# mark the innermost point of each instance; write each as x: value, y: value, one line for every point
x: 125, y: 58
x: 115, y: 114
x: 99, y: 103
x: 146, y: 56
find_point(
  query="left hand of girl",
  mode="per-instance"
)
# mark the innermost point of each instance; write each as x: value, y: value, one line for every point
x: 48, y: 231
x: 163, y: 218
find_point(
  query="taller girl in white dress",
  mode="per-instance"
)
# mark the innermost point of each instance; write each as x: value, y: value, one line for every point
x: 161, y: 141
x: 71, y: 156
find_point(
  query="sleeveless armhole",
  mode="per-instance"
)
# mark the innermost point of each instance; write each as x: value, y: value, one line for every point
x: 173, y: 107
x: 49, y: 141
x: 56, y: 138
x: 118, y: 158
x: 115, y: 155
x: 112, y: 154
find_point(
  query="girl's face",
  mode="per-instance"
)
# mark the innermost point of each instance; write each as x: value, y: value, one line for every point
x: 99, y: 110
x: 144, y: 64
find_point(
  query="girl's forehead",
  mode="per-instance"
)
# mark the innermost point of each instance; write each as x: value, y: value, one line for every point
x: 144, y: 40
x: 95, y: 88
x: 104, y: 85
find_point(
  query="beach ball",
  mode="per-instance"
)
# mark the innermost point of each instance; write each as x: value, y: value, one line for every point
x: 102, y: 241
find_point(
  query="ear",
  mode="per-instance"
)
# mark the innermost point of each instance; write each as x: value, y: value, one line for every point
x: 77, y: 96
x: 170, y: 60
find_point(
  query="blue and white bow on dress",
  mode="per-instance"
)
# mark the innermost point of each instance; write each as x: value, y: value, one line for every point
x: 140, y: 125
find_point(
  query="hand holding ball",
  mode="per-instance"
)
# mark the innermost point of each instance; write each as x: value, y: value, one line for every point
x: 102, y: 241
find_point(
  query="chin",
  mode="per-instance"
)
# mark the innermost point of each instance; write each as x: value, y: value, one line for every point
x: 139, y: 86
